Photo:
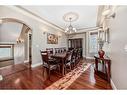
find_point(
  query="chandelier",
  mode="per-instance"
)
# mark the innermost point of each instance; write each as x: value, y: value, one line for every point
x: 70, y: 28
x: 70, y: 17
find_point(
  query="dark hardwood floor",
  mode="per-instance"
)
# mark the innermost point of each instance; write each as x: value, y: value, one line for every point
x: 35, y: 79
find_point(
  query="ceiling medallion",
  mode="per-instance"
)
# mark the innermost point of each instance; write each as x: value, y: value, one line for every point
x: 70, y: 17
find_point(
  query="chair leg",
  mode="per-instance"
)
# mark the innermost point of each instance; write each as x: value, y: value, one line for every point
x: 70, y: 68
x: 48, y: 73
x: 65, y: 69
x: 43, y: 71
x: 59, y: 68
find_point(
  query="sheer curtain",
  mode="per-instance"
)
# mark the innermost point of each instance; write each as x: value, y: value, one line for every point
x: 93, y: 44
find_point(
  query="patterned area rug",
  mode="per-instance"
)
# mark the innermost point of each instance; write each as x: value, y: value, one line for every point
x: 69, y: 78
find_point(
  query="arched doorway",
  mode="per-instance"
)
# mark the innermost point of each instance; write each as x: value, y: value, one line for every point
x: 24, y: 40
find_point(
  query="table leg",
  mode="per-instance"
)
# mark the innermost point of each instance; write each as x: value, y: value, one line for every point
x: 96, y: 64
x: 109, y: 73
x: 63, y: 67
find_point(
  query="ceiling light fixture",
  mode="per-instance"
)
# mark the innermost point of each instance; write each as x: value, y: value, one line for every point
x: 70, y: 17
x: 70, y: 28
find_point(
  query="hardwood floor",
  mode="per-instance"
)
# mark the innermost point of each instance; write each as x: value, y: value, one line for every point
x: 35, y: 79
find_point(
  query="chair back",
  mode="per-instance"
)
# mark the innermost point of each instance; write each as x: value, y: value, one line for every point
x: 64, y: 49
x: 57, y: 50
x: 44, y: 55
x: 60, y: 50
x: 69, y: 56
x: 49, y: 50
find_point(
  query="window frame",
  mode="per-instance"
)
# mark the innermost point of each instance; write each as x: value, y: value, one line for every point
x: 11, y: 46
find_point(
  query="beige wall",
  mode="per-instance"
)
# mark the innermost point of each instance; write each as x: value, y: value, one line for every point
x: 118, y: 40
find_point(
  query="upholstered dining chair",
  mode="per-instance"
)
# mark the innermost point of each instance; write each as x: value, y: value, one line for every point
x: 57, y: 50
x: 50, y: 50
x: 68, y: 61
x: 49, y: 64
x: 73, y: 60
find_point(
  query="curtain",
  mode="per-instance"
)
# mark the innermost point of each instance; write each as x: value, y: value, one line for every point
x: 19, y: 53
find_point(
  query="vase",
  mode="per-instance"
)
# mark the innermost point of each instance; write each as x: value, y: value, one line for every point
x: 101, y: 53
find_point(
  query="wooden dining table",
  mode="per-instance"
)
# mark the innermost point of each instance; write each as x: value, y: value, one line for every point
x: 62, y: 57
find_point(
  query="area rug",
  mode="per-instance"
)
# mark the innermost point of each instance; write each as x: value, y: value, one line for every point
x: 69, y: 78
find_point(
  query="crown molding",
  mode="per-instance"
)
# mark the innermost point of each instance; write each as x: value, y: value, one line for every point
x: 34, y: 16
x: 84, y: 30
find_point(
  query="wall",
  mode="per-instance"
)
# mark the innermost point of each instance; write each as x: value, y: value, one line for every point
x: 39, y: 39
x: 118, y: 40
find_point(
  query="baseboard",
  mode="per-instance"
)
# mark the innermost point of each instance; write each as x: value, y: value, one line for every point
x: 113, y: 85
x: 26, y: 61
x: 35, y: 65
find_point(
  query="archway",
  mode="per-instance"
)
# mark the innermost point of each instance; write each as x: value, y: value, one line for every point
x: 26, y: 34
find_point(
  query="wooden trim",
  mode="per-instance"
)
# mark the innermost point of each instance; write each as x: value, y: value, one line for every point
x: 8, y: 59
x: 93, y: 33
x: 5, y: 46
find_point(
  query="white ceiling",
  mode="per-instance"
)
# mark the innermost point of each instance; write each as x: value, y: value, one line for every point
x: 9, y: 32
x: 54, y: 14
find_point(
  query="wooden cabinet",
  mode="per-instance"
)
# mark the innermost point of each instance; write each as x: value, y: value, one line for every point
x: 75, y: 43
x: 105, y: 63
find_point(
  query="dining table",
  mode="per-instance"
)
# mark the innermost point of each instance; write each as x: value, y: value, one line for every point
x: 62, y: 57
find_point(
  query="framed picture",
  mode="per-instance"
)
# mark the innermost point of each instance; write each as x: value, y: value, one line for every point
x: 52, y: 38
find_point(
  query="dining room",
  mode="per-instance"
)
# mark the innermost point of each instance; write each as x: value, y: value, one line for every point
x: 68, y: 48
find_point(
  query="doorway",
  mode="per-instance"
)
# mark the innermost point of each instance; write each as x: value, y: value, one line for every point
x: 76, y: 44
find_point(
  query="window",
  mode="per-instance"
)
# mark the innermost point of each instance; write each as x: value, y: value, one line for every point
x: 93, y: 45
x: 6, y: 51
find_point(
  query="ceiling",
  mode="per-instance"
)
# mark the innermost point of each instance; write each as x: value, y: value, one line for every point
x: 54, y: 15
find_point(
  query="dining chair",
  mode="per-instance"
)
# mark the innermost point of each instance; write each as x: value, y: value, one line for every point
x: 57, y: 50
x: 50, y: 50
x: 73, y: 58
x: 68, y: 61
x: 49, y: 64
x: 64, y: 49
